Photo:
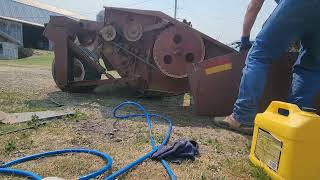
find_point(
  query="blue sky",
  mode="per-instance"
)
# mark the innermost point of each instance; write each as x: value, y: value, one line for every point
x: 220, y: 19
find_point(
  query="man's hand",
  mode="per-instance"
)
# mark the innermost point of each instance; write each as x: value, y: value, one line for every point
x: 249, y: 19
x: 245, y: 43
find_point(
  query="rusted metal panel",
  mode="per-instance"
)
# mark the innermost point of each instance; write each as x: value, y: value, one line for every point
x: 222, y: 48
x: 215, y: 90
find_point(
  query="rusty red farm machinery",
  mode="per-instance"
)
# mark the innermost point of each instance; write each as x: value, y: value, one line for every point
x: 148, y: 49
x: 152, y: 52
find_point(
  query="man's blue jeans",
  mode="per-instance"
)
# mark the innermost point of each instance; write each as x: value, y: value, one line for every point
x: 292, y: 20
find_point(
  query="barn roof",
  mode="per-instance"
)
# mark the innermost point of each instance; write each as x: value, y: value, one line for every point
x: 50, y: 8
x: 32, y: 12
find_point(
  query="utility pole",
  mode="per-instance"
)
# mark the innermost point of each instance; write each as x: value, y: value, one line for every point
x: 175, y: 9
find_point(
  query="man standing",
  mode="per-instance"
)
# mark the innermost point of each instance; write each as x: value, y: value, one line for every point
x: 291, y: 20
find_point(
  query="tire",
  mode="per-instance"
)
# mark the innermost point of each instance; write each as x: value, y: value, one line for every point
x: 89, y: 74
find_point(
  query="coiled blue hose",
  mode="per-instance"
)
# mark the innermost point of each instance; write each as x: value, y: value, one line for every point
x: 4, y: 169
x: 152, y: 141
x: 19, y: 172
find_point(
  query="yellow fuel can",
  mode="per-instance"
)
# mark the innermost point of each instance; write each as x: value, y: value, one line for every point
x: 286, y: 142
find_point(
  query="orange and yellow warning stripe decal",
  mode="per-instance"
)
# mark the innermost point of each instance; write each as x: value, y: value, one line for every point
x: 217, y: 66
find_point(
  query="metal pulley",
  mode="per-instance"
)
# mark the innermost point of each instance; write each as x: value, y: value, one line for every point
x: 133, y: 31
x: 108, y: 33
x: 176, y: 47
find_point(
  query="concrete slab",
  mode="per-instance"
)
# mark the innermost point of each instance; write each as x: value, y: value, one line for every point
x: 25, y: 117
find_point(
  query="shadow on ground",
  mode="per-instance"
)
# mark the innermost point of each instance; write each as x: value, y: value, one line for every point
x: 106, y: 98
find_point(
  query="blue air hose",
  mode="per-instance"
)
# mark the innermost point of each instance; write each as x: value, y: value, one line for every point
x: 18, y: 172
x: 34, y: 176
x: 4, y: 169
x: 148, y: 120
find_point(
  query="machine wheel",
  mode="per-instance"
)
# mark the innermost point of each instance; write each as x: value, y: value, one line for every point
x: 175, y: 48
x: 81, y: 72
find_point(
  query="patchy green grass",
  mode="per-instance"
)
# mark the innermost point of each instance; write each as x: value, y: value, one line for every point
x: 33, y: 61
x: 10, y: 146
x: 43, y: 139
x: 258, y: 173
x: 5, y: 128
x: 224, y: 155
x: 8, y: 177
x: 216, y: 145
x: 77, y: 116
x: 14, y: 102
x: 141, y: 139
x: 14, y: 128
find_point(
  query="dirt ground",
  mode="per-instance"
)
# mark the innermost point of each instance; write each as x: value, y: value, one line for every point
x: 224, y: 154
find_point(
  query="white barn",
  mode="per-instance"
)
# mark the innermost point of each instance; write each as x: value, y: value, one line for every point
x: 22, y: 23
